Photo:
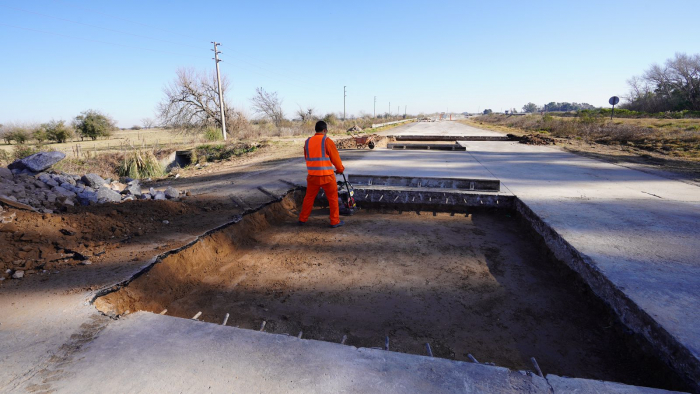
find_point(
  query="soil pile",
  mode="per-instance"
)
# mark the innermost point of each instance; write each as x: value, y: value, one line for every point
x: 351, y: 143
x: 533, y: 139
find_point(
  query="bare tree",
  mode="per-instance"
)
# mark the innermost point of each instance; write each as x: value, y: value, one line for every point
x: 306, y: 114
x: 191, y: 102
x: 268, y: 105
x: 671, y: 87
x: 148, y: 123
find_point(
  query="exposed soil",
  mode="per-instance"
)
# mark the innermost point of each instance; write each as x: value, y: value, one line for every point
x: 466, y: 285
x: 380, y: 141
x: 39, y: 243
x: 533, y: 139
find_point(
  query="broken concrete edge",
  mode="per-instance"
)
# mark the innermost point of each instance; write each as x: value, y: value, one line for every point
x: 158, y: 258
x: 650, y: 335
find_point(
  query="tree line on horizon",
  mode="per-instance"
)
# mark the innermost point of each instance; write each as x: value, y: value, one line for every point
x: 90, y: 124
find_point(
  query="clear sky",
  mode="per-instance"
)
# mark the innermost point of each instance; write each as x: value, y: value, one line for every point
x: 58, y: 58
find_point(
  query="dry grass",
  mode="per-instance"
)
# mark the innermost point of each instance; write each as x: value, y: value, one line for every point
x: 679, y: 138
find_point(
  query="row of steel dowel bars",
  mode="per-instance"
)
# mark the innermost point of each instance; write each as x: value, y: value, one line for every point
x: 428, y: 349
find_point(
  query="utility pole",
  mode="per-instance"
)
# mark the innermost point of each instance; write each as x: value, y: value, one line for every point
x: 345, y: 94
x: 389, y: 108
x: 375, y: 107
x: 404, y: 111
x: 218, y: 82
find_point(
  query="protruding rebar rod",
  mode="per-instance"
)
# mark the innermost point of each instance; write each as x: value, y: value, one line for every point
x: 225, y: 320
x: 386, y: 343
x: 472, y: 359
x: 430, y: 351
x: 345, y: 338
x: 537, y: 367
x: 299, y: 336
x: 262, y: 326
x: 197, y: 315
x: 164, y: 311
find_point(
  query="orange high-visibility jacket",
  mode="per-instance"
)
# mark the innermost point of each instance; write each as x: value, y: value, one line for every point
x: 321, y: 155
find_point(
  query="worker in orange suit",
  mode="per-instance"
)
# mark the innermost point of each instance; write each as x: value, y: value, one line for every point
x: 321, y: 156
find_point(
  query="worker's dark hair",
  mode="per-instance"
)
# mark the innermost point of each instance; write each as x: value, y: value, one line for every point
x: 321, y: 125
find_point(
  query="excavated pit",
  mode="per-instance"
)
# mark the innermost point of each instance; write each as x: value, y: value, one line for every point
x: 480, y: 284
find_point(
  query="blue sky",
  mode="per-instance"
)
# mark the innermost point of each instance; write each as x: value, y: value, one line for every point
x: 431, y: 56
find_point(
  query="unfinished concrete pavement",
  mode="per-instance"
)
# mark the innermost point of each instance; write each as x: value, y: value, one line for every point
x: 638, y: 230
x: 146, y: 352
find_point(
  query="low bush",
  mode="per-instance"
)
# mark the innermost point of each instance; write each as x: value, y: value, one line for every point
x: 213, y: 134
x: 22, y: 151
x: 140, y: 164
x: 4, y: 158
x: 220, y: 152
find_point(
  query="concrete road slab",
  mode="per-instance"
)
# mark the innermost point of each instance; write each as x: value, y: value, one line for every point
x: 147, y: 353
x: 640, y: 230
x: 585, y: 386
x: 439, y: 128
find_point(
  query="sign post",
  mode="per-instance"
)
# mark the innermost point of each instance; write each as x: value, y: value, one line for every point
x: 613, y: 100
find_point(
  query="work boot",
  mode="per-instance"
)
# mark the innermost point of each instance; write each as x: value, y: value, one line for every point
x: 338, y: 225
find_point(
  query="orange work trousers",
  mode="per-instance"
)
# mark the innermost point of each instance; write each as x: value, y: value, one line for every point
x: 313, y: 185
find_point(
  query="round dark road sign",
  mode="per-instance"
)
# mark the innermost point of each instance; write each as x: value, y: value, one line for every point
x: 614, y: 100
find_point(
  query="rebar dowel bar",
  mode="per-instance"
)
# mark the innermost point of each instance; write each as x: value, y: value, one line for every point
x: 472, y: 359
x: 164, y: 311
x: 430, y: 351
x: 262, y: 326
x: 386, y: 343
x: 345, y: 338
x: 225, y: 320
x: 197, y: 315
x: 537, y: 367
x: 299, y: 336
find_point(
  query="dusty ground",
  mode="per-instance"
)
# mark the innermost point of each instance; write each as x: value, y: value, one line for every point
x: 466, y: 285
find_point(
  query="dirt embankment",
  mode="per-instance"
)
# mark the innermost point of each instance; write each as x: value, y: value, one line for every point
x: 466, y: 285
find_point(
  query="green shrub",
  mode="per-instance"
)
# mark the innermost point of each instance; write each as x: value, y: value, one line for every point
x: 4, y: 157
x: 330, y: 119
x: 92, y: 124
x: 40, y: 135
x: 57, y: 131
x: 213, y: 134
x: 140, y: 164
x: 18, y: 135
x: 222, y: 151
x: 22, y: 151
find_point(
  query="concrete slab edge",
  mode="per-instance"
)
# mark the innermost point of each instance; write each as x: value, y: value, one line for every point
x: 155, y: 260
x: 659, y: 340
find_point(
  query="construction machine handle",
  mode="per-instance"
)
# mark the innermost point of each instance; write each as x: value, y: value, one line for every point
x: 347, y: 187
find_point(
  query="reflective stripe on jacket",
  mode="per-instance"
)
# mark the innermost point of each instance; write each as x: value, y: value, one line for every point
x: 317, y: 161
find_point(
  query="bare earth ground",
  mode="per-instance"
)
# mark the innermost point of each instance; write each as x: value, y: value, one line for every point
x: 467, y: 285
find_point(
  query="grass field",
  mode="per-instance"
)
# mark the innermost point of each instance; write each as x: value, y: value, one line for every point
x: 118, y: 141
x: 677, y: 138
